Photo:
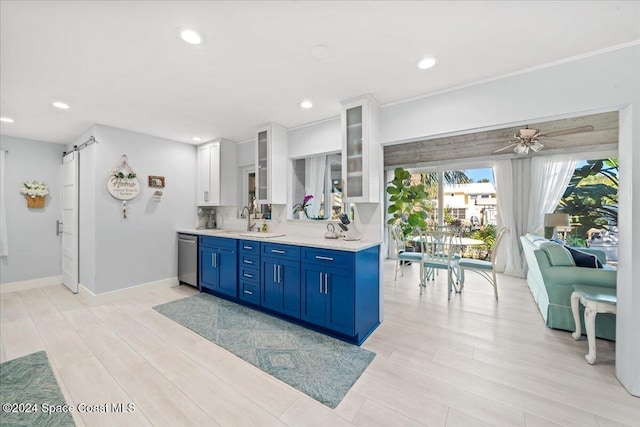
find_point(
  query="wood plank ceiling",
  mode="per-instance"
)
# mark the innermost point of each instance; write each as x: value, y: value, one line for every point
x: 484, y: 144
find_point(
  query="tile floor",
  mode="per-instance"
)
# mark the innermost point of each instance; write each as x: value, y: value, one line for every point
x: 465, y: 362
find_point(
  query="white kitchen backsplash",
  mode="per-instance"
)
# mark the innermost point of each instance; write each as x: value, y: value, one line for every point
x: 367, y: 220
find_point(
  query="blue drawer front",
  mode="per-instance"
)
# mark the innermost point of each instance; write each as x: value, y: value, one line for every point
x: 327, y: 257
x: 249, y: 274
x: 219, y: 242
x: 252, y: 261
x: 275, y: 250
x: 250, y: 246
x: 250, y: 292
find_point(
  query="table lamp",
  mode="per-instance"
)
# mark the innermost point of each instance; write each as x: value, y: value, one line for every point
x: 554, y: 220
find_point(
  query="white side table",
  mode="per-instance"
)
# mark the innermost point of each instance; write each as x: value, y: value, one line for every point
x: 595, y: 300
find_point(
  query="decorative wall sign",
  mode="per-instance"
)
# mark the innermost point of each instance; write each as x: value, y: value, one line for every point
x: 123, y: 183
x: 156, y: 181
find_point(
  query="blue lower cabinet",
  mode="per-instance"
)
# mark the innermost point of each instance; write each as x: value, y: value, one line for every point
x: 328, y: 299
x: 280, y: 286
x: 340, y: 291
x: 218, y: 265
x: 336, y: 291
x: 249, y: 272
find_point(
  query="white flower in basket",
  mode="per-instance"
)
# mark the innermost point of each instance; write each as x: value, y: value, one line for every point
x: 34, y: 189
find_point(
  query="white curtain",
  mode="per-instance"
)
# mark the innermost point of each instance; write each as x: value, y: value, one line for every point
x: 314, y: 179
x: 509, y: 257
x: 528, y: 188
x: 550, y: 176
x: 4, y: 248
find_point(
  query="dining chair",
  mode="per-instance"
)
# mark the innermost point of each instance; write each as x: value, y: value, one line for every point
x: 402, y: 255
x: 437, y: 252
x: 486, y: 269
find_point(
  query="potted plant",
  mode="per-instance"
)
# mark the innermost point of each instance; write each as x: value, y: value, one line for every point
x: 35, y: 191
x: 408, y: 202
x: 298, y: 208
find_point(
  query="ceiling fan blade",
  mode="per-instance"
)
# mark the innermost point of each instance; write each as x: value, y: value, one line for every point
x: 568, y: 131
x: 505, y: 148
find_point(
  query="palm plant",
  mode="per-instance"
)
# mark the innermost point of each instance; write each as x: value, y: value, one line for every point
x: 592, y: 194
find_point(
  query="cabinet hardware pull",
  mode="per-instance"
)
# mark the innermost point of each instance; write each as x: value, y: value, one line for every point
x: 206, y: 196
x: 326, y: 283
x: 247, y: 247
x: 279, y: 273
x: 277, y: 251
x: 274, y: 273
x: 324, y: 258
x: 250, y: 276
x: 320, y: 282
x: 247, y: 261
x: 248, y: 292
x: 213, y: 260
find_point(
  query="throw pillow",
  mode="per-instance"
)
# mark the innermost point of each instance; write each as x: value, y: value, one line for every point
x: 583, y: 259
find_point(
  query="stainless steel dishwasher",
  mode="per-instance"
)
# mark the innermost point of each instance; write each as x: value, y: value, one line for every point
x: 188, y: 259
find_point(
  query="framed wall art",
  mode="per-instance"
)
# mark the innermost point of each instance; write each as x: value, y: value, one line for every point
x: 156, y: 181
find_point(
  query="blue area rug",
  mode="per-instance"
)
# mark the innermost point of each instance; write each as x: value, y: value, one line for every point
x: 318, y: 365
x: 28, y: 387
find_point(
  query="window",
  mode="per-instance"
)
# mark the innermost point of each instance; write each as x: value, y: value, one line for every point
x: 321, y: 177
x: 591, y: 200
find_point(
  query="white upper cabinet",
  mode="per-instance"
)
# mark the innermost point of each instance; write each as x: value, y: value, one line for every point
x: 271, y: 164
x: 217, y: 173
x: 361, y: 151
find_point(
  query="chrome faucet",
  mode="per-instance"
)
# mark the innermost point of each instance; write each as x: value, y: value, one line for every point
x: 249, y: 225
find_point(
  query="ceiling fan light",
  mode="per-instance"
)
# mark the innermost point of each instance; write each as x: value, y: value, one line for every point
x: 521, y: 149
x: 537, y: 146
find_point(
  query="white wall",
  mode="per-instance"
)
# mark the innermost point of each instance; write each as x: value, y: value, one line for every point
x: 320, y: 138
x: 143, y: 247
x: 604, y: 82
x: 34, y: 248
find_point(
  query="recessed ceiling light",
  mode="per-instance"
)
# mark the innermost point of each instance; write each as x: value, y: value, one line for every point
x: 60, y: 105
x: 306, y: 104
x: 320, y: 52
x: 197, y: 139
x: 427, y: 62
x: 6, y: 120
x: 191, y: 36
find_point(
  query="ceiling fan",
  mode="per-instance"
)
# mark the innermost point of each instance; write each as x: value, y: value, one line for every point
x: 529, y: 139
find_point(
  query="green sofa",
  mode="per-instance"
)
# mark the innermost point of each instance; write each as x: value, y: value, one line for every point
x: 552, y: 272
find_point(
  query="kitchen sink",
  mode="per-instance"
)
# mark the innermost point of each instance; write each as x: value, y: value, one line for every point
x: 261, y: 235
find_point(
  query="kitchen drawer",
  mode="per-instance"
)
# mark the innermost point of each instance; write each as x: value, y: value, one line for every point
x: 219, y: 242
x: 249, y: 274
x: 250, y: 246
x: 249, y: 260
x: 250, y: 292
x: 329, y: 258
x: 276, y: 250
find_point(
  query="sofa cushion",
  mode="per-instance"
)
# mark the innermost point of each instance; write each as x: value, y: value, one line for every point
x: 583, y: 259
x: 558, y: 255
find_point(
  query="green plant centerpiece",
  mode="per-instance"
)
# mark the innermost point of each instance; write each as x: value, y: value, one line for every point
x: 408, y: 202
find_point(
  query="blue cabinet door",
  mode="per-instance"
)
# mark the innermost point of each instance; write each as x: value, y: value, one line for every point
x: 228, y: 272
x: 219, y: 266
x: 340, y: 302
x: 208, y: 271
x: 280, y: 286
x: 313, y: 298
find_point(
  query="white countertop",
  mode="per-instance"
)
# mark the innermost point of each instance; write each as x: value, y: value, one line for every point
x: 289, y: 239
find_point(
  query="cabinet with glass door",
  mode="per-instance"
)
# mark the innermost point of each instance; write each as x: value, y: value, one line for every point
x: 361, y: 151
x: 271, y: 164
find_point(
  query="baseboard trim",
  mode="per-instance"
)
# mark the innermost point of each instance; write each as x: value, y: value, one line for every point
x: 24, y: 285
x: 108, y: 297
